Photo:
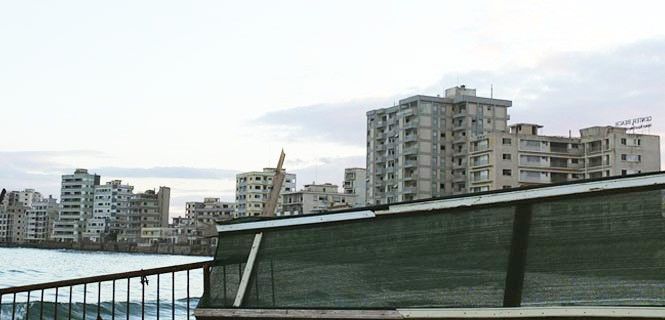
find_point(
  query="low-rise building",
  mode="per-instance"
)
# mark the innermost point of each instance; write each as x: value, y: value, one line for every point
x: 153, y: 235
x: 523, y: 157
x: 316, y: 198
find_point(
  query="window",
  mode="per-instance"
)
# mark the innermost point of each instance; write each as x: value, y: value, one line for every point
x: 507, y: 141
x: 623, y: 142
x: 631, y: 157
x: 507, y: 172
x: 574, y: 161
x: 507, y: 156
x: 506, y: 187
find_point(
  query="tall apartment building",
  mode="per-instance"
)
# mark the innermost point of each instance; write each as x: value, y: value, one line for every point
x: 354, y: 183
x: 77, y: 202
x: 148, y: 209
x: 111, y: 201
x: 419, y: 148
x: 40, y: 218
x: 522, y: 157
x: 316, y: 198
x: 253, y: 189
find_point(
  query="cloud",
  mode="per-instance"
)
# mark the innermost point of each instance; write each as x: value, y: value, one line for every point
x: 341, y: 123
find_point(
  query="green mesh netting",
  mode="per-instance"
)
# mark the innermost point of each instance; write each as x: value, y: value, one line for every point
x: 606, y: 250
x: 452, y: 259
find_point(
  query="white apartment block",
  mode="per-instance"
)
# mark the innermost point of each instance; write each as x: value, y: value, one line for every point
x: 40, y: 218
x: 111, y: 201
x: 148, y: 209
x: 77, y: 202
x: 253, y: 189
x: 316, y: 198
x: 522, y: 157
x: 354, y: 183
x: 418, y: 148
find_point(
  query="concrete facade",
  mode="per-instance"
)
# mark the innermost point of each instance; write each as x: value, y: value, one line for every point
x: 253, y: 189
x: 355, y: 183
x: 148, y: 209
x: 111, y: 200
x: 418, y: 148
x: 316, y: 198
x: 523, y: 157
x: 40, y: 218
x: 76, y: 205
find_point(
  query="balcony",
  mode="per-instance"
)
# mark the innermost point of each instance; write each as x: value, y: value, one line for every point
x: 410, y: 138
x: 410, y: 125
x: 410, y: 150
x: 410, y: 163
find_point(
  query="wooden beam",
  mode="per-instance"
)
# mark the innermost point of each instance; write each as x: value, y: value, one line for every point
x: 249, y: 266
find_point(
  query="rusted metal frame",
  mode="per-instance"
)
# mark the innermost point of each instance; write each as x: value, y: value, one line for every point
x: 187, y: 294
x: 173, y: 295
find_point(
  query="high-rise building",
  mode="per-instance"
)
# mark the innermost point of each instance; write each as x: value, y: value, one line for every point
x: 148, y: 209
x: 432, y: 146
x: 40, y: 218
x: 111, y: 201
x: 253, y: 189
x: 76, y: 205
x: 418, y: 148
x: 354, y: 183
x: 316, y: 198
x: 523, y: 157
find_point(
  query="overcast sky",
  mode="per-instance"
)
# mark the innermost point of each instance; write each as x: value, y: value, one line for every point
x: 186, y: 94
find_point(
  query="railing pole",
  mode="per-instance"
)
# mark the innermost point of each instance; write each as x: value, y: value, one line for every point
x: 512, y: 295
x: 70, y: 304
x: 13, y: 307
x: 55, y: 306
x: 99, y: 299
x: 41, y: 306
x: 85, y: 295
x: 27, y: 307
x: 143, y: 281
x: 173, y: 295
x: 128, y: 298
x: 113, y: 302
x: 187, y: 294
x: 158, y: 296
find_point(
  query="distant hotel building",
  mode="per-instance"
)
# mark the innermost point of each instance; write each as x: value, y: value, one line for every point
x: 434, y: 146
x: 316, y: 198
x: 40, y: 218
x: 14, y: 211
x: 209, y: 211
x: 354, y: 183
x: 77, y: 202
x: 253, y: 189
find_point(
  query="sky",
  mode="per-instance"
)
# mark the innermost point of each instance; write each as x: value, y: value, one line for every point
x: 187, y: 94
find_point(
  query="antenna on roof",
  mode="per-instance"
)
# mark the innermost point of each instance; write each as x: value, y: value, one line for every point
x: 491, y: 90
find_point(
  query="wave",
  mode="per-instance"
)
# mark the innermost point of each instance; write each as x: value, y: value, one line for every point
x: 47, y: 310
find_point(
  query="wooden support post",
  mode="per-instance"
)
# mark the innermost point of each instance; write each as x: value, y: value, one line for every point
x: 249, y: 266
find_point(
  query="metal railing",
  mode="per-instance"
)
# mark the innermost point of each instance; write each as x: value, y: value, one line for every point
x: 140, y: 275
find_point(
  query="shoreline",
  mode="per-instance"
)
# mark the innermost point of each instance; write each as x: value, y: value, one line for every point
x: 160, y: 248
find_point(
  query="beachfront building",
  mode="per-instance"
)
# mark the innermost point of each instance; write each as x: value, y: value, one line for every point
x: 39, y: 219
x: 76, y: 205
x: 253, y: 189
x: 147, y: 209
x: 111, y: 200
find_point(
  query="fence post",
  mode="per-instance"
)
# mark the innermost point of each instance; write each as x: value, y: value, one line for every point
x: 512, y: 295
